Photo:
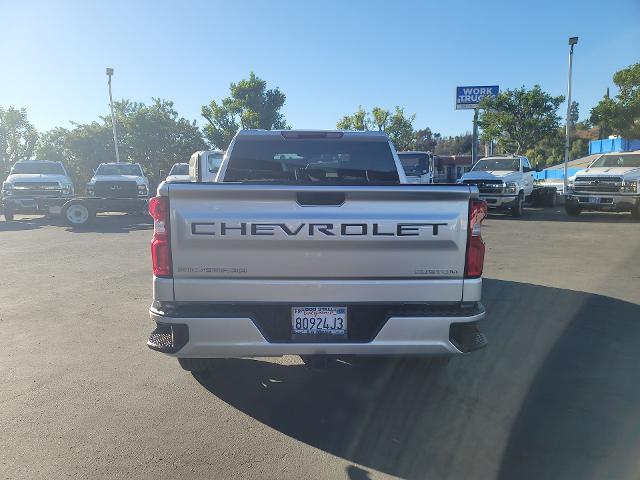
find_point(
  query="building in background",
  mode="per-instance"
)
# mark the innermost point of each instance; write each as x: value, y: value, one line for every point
x: 449, y: 168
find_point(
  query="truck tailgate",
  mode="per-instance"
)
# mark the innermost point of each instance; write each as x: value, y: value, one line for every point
x: 244, y: 242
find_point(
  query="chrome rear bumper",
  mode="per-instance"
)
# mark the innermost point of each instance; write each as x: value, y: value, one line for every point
x: 241, y: 336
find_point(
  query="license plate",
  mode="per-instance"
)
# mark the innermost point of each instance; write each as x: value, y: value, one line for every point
x: 594, y: 199
x: 319, y: 320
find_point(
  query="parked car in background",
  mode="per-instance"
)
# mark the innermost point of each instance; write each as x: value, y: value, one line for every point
x: 36, y: 187
x: 418, y: 166
x: 309, y: 244
x: 119, y: 180
x: 504, y: 182
x: 610, y: 183
x: 179, y: 173
x: 114, y: 187
x: 204, y: 165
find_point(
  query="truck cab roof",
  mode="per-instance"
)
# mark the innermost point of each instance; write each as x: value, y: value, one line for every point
x: 316, y: 134
x: 40, y: 161
x: 119, y: 163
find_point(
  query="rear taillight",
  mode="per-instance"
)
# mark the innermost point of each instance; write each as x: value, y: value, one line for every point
x: 475, y: 245
x: 161, y: 241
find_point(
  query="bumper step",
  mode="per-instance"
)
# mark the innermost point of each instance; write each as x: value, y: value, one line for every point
x: 168, y: 338
x: 467, y: 337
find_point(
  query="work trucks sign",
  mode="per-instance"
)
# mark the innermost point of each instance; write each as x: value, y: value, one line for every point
x: 469, y: 97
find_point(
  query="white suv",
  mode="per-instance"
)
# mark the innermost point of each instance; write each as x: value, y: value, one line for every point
x: 504, y: 182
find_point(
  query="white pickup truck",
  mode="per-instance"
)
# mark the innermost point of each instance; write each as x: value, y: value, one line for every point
x: 310, y: 243
x: 36, y: 186
x: 114, y: 187
x: 610, y: 183
x: 204, y: 165
x: 504, y: 182
x: 418, y: 166
x: 179, y: 173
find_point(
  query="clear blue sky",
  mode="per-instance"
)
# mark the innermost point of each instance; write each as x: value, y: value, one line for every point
x: 328, y: 57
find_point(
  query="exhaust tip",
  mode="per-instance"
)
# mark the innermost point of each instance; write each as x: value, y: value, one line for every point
x: 168, y: 338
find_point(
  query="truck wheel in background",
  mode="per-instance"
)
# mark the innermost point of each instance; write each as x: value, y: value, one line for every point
x: 518, y: 207
x: 77, y: 213
x: 572, y: 209
x: 551, y: 199
x: 204, y: 367
x: 8, y: 215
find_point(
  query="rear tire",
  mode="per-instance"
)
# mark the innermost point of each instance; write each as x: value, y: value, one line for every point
x: 572, y: 209
x: 8, y: 215
x: 518, y: 208
x: 78, y: 214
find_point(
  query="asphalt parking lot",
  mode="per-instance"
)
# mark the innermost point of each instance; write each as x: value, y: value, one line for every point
x: 554, y: 395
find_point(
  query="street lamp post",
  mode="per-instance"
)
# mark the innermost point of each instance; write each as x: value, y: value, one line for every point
x: 474, y: 144
x: 572, y: 42
x: 113, y: 117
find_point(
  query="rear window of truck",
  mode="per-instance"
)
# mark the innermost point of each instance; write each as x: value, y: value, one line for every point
x: 327, y: 161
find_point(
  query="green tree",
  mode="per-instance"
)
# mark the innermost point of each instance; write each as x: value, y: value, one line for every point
x: 548, y: 151
x: 400, y: 130
x: 519, y: 119
x: 156, y: 136
x: 17, y: 137
x: 81, y: 149
x: 425, y: 140
x: 380, y: 117
x: 604, y: 116
x: 153, y: 135
x: 574, y: 113
x: 250, y: 105
x: 360, y: 120
x: 455, y: 145
x: 397, y: 125
x: 621, y: 115
x: 579, y: 148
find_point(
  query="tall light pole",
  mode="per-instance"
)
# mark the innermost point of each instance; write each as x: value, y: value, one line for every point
x: 572, y: 42
x: 113, y: 117
x: 474, y: 144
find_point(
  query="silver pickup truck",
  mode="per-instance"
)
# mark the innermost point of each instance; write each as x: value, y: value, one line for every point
x: 310, y: 243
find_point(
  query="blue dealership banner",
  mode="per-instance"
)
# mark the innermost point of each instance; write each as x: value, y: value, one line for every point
x: 469, y: 97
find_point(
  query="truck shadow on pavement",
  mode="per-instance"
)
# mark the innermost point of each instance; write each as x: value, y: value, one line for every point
x: 115, y: 224
x: 554, y: 395
x: 101, y: 224
x: 29, y: 223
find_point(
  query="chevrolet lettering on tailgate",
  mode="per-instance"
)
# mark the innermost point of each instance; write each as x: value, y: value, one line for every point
x: 313, y: 229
